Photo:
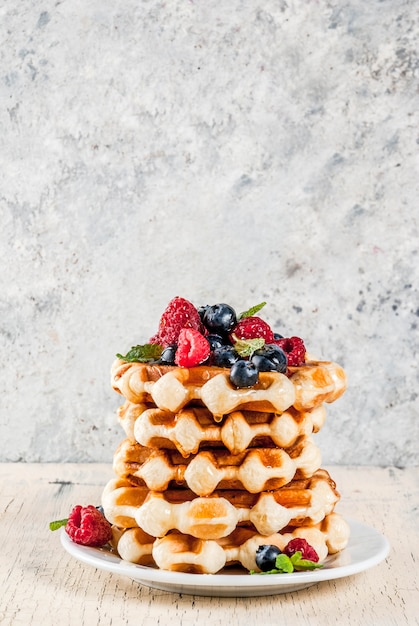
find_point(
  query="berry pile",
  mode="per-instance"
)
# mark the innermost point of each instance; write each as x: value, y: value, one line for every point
x: 298, y: 555
x: 215, y: 335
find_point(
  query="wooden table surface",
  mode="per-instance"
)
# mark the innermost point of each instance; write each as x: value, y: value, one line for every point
x: 43, y: 585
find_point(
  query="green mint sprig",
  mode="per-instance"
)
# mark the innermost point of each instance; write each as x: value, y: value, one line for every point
x: 58, y: 523
x: 287, y: 564
x: 142, y: 353
x: 252, y: 311
x: 246, y: 347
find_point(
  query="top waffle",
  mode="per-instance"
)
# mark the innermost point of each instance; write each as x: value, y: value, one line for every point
x: 171, y: 388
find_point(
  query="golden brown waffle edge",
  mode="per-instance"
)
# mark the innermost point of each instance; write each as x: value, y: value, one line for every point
x: 172, y: 388
x: 194, y: 427
x: 254, y: 470
x: 301, y: 501
x: 183, y: 553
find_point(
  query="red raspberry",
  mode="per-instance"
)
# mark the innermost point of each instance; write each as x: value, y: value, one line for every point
x: 87, y: 526
x: 301, y: 545
x: 294, y: 348
x: 179, y: 313
x: 192, y: 349
x: 253, y: 328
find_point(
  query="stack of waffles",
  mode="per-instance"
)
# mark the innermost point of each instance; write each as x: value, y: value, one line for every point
x: 208, y: 472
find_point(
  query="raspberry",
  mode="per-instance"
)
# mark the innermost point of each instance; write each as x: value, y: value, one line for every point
x: 192, y: 349
x: 88, y: 527
x: 253, y: 328
x: 179, y: 313
x: 301, y: 545
x: 294, y: 348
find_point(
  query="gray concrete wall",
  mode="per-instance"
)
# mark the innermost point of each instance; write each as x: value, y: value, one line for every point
x: 221, y: 151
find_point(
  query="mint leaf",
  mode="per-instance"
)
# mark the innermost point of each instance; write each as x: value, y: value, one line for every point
x: 142, y: 353
x: 296, y: 556
x: 252, y: 311
x: 246, y: 347
x: 284, y: 564
x: 57, y: 524
x: 302, y: 565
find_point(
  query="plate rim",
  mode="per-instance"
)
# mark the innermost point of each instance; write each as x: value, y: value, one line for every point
x: 103, y: 559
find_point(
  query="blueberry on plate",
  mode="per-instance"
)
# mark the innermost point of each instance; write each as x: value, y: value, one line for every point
x: 220, y: 318
x: 270, y: 358
x: 266, y: 557
x: 244, y: 374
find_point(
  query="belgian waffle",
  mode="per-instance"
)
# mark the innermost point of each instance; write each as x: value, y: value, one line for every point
x: 255, y: 470
x: 171, y: 388
x: 192, y: 427
x: 210, y: 470
x: 180, y: 552
x: 128, y: 414
x: 299, y: 502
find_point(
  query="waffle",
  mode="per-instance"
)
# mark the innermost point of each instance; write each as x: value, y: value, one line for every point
x: 208, y: 472
x: 192, y: 427
x: 133, y: 545
x: 127, y: 415
x: 255, y: 470
x: 180, y: 552
x: 212, y: 517
x: 171, y: 388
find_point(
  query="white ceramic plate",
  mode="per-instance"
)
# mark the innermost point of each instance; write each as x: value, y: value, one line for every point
x: 365, y: 549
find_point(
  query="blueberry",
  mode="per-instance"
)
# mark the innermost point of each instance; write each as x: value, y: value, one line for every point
x: 167, y: 357
x: 202, y: 310
x: 244, y: 374
x: 278, y: 336
x: 270, y: 358
x: 215, y: 341
x: 220, y: 318
x: 225, y: 356
x: 266, y: 557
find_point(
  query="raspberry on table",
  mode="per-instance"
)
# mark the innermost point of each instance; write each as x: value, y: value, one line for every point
x: 301, y: 545
x: 193, y: 348
x: 294, y: 348
x: 178, y: 314
x: 87, y: 526
x: 253, y: 328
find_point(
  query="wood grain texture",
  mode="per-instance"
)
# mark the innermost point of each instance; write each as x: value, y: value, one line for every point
x: 42, y: 585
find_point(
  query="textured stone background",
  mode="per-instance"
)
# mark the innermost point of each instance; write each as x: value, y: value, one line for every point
x: 223, y: 151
